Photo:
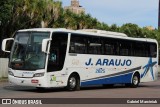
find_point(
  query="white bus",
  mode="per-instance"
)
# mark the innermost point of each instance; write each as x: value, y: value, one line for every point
x: 45, y: 57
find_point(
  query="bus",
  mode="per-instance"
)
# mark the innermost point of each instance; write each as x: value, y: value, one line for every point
x: 46, y: 58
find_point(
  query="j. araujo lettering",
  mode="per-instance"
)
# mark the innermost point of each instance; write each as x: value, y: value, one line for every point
x: 109, y: 62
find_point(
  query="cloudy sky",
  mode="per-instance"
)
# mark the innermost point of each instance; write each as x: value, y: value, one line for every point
x: 140, y: 12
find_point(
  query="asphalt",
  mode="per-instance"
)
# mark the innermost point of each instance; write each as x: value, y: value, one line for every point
x: 145, y: 90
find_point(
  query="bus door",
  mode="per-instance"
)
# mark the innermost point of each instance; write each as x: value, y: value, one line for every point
x: 57, y: 52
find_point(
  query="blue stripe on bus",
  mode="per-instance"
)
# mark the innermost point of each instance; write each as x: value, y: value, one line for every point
x: 120, y: 79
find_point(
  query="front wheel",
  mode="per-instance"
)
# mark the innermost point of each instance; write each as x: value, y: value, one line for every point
x: 73, y: 83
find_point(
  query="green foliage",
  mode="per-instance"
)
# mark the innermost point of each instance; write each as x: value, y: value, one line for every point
x: 3, y: 79
x: 22, y: 14
x: 131, y: 30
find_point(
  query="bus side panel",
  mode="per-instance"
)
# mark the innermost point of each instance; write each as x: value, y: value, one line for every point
x: 126, y: 78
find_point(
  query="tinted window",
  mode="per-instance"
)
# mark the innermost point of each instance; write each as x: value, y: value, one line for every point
x: 125, y: 48
x: 153, y: 50
x: 78, y: 44
x: 94, y: 45
x: 109, y: 46
x: 87, y: 44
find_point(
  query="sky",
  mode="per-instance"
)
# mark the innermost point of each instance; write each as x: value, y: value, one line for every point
x: 140, y: 12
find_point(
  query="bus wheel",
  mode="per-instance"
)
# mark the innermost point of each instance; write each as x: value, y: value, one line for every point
x: 73, y: 83
x: 135, y: 81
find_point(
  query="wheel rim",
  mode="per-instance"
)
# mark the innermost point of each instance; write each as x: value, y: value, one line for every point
x: 135, y: 80
x: 72, y: 82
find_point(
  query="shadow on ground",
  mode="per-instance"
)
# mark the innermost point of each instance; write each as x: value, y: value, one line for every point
x: 50, y: 90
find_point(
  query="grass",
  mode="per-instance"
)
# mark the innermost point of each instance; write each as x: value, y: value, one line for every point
x: 3, y: 79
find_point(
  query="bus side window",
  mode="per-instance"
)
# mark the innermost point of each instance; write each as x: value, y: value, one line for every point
x: 153, y: 50
x: 109, y: 49
x: 125, y: 48
x: 78, y: 44
x: 110, y: 46
x: 94, y: 45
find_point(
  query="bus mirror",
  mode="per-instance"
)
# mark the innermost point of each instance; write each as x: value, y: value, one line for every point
x: 6, y: 43
x: 45, y: 45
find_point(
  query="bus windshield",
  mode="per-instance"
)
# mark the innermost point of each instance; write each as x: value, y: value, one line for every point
x: 26, y: 51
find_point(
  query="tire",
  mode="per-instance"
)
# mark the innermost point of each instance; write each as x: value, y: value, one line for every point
x: 73, y: 83
x: 135, y: 81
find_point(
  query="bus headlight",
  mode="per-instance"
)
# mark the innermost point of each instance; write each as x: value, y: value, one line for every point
x: 38, y: 74
x: 10, y: 73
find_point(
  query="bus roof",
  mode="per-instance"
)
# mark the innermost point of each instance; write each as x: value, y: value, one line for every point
x: 93, y: 32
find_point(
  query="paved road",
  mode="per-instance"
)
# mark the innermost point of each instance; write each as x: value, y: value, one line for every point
x: 145, y: 90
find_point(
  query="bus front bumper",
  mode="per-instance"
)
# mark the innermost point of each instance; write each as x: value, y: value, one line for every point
x: 35, y: 82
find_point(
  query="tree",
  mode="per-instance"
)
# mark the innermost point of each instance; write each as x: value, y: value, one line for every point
x: 51, y: 12
x: 114, y: 28
x: 21, y: 14
x: 5, y: 15
x: 82, y: 21
x: 131, y: 30
x: 70, y: 20
x: 102, y: 26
